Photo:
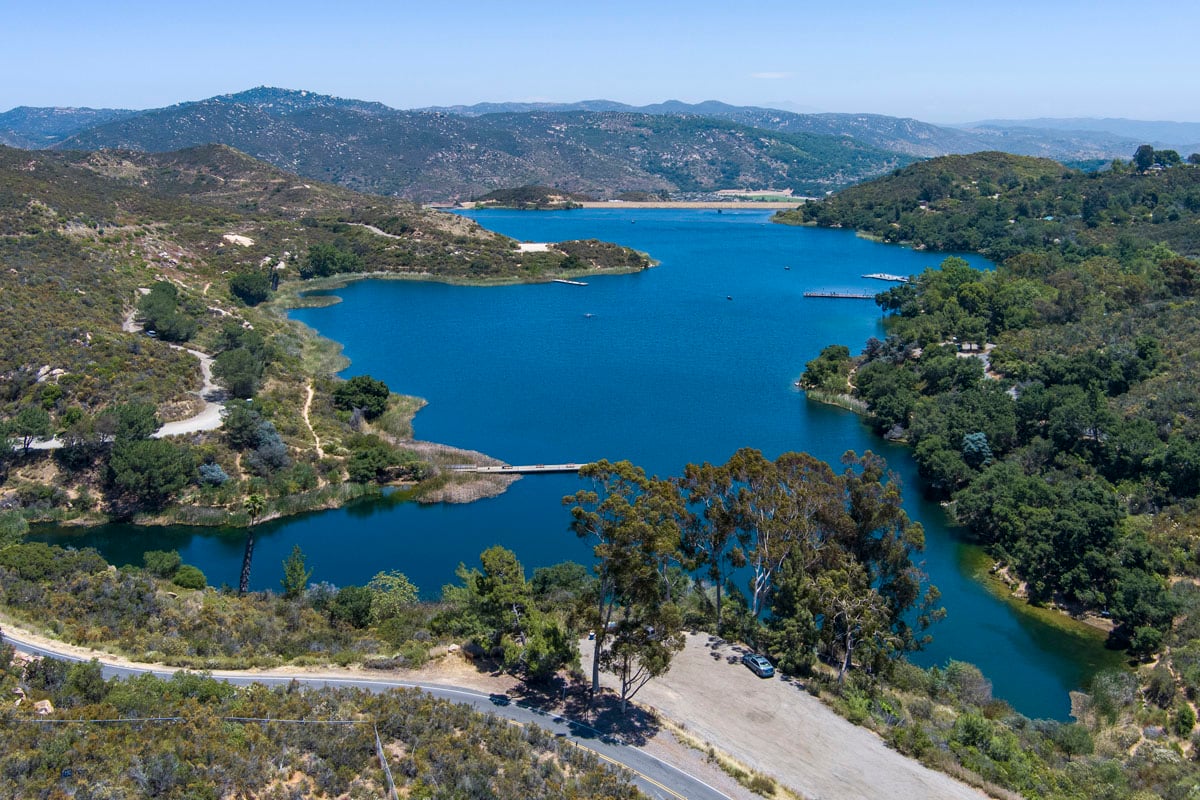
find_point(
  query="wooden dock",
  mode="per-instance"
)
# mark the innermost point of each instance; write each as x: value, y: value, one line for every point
x: 509, y: 469
x: 842, y: 295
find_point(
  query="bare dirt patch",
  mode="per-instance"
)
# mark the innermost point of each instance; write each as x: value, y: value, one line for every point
x: 777, y: 728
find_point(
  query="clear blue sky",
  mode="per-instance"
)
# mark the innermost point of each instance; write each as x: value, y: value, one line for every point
x: 936, y: 61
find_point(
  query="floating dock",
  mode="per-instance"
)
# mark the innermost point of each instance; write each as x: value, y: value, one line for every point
x: 842, y: 295
x: 886, y: 276
x: 517, y: 470
x: 569, y: 283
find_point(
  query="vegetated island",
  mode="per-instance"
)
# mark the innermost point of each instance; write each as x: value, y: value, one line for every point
x: 531, y: 198
x: 121, y: 268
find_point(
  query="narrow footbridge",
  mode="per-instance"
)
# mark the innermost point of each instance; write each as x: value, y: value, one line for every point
x: 516, y: 470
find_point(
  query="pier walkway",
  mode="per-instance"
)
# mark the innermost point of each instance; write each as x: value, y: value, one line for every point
x: 842, y: 295
x: 517, y: 470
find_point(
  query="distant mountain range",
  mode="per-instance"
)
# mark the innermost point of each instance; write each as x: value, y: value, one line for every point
x: 1183, y: 137
x: 1060, y: 139
x: 598, y: 147
x: 430, y: 155
x: 36, y: 128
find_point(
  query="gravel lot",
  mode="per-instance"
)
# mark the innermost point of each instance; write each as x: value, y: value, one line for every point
x: 779, y: 729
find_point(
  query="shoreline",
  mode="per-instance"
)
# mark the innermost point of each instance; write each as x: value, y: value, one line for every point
x: 984, y: 566
x: 722, y: 205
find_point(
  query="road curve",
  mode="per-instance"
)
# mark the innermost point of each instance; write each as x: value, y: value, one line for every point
x: 209, y: 418
x: 654, y: 777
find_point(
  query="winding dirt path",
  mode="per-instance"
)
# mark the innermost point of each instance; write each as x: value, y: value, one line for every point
x: 209, y: 417
x: 375, y: 230
x: 307, y: 405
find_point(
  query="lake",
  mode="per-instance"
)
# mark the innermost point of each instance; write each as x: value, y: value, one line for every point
x: 685, y: 362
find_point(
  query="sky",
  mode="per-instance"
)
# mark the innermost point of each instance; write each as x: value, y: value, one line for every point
x: 935, y: 61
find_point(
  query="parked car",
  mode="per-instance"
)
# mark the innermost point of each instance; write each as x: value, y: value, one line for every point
x: 758, y: 665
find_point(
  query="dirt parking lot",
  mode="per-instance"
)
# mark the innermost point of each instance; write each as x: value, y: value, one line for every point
x: 779, y: 729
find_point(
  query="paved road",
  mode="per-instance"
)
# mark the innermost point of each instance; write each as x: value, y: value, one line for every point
x: 656, y: 778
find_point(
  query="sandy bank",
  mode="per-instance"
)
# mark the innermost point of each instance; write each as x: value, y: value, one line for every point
x: 745, y: 205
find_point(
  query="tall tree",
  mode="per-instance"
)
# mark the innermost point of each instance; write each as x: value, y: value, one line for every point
x: 31, y: 423
x: 710, y: 535
x: 295, y: 574
x: 636, y: 627
x: 254, y: 504
x: 1143, y: 157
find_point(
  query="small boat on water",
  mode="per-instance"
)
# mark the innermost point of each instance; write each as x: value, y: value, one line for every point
x: 886, y: 276
x: 569, y: 283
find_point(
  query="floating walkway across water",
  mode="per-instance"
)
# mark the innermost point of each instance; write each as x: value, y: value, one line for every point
x: 517, y: 470
x: 842, y: 295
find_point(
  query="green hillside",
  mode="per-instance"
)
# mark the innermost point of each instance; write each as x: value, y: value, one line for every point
x: 1001, y: 205
x: 200, y: 738
x: 1052, y: 399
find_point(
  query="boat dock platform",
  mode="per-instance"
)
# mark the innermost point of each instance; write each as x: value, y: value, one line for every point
x: 886, y: 276
x: 842, y: 295
x: 506, y: 469
x: 569, y: 283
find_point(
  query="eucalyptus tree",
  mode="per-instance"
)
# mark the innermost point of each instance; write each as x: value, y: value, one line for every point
x: 759, y: 513
x: 635, y: 524
x: 782, y: 506
x: 709, y: 538
x: 883, y: 539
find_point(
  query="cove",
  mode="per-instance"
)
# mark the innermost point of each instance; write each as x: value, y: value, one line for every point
x: 682, y: 363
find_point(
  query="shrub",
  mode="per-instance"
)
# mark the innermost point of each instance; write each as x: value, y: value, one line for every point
x: 162, y: 563
x: 189, y: 577
x: 213, y: 475
x: 251, y: 288
x: 362, y: 391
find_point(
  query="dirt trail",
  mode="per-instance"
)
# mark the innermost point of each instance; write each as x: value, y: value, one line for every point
x: 308, y: 404
x: 375, y: 230
x: 209, y: 417
x: 779, y: 729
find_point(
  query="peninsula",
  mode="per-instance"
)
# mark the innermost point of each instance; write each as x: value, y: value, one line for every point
x: 145, y: 291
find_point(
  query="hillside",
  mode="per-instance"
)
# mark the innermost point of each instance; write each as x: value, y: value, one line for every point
x: 115, y: 262
x: 900, y: 134
x: 432, y: 156
x: 35, y: 128
x: 201, y: 738
x: 1050, y: 401
x: 1001, y: 205
x: 1181, y: 136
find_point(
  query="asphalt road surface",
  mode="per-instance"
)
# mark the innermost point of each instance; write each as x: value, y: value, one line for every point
x: 654, y: 777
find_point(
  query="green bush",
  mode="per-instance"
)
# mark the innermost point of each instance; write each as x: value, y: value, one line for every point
x: 363, y: 392
x: 189, y: 577
x: 162, y: 563
x: 252, y: 287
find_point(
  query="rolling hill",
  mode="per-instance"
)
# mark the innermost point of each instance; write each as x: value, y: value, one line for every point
x: 429, y: 155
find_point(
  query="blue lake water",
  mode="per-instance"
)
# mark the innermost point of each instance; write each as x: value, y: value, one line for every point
x: 681, y: 363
